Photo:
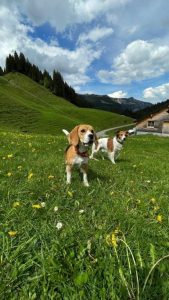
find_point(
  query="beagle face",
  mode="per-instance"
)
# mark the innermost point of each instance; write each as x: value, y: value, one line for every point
x: 121, y: 136
x: 83, y: 134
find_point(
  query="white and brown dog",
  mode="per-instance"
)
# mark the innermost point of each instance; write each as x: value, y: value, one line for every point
x: 112, y: 146
x: 80, y: 139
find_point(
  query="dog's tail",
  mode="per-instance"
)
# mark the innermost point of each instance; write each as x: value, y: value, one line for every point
x: 65, y: 132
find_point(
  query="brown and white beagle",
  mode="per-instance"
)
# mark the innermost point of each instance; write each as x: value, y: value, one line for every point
x: 80, y: 139
x: 112, y: 146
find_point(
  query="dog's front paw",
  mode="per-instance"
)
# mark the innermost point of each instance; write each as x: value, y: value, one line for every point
x: 86, y: 184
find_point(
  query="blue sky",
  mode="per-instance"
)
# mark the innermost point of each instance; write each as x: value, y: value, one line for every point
x: 114, y: 47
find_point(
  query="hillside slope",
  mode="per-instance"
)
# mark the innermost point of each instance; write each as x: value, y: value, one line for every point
x: 28, y: 106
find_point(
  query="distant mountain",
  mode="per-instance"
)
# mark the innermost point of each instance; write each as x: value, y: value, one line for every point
x: 125, y: 106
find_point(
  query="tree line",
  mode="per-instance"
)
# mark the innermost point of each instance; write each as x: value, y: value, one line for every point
x: 55, y: 83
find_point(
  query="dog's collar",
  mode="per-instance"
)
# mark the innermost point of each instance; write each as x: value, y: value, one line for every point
x: 82, y: 154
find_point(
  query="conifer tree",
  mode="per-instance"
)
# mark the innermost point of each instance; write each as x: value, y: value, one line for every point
x: 58, y: 84
x: 1, y: 71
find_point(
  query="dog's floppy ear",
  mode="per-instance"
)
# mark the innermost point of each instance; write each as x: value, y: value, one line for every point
x: 126, y: 133
x: 74, y: 137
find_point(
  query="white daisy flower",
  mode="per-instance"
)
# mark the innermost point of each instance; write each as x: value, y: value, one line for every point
x: 56, y: 208
x: 59, y: 225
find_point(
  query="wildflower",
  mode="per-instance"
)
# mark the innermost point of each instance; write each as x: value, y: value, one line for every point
x: 153, y: 200
x: 16, y: 204
x: 148, y: 181
x: 9, y: 174
x: 3, y: 157
x: 111, y: 239
x: 81, y: 211
x: 43, y: 204
x: 12, y: 233
x: 51, y: 177
x: 10, y: 155
x: 70, y: 194
x: 114, y: 240
x: 159, y: 218
x: 30, y: 175
x: 37, y: 206
x: 19, y: 167
x: 59, y: 225
x: 56, y: 208
x: 111, y: 193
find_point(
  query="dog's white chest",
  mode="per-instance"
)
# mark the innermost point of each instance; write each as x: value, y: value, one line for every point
x: 117, y: 145
x: 79, y: 160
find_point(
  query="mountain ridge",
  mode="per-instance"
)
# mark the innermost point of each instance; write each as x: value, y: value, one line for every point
x: 125, y: 106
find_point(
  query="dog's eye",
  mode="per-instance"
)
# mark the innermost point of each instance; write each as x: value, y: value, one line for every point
x: 83, y: 130
x: 92, y: 131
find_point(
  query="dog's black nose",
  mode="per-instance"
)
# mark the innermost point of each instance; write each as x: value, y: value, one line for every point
x: 90, y: 136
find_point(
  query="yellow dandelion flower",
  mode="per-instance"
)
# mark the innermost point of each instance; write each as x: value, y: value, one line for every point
x: 37, y: 206
x: 51, y: 177
x: 12, y: 233
x: 114, y: 240
x: 16, y: 204
x: 10, y: 155
x: 9, y: 174
x: 153, y: 200
x: 30, y: 175
x: 70, y: 194
x: 19, y: 167
x: 159, y: 218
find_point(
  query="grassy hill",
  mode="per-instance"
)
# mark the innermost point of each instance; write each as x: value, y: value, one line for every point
x: 27, y: 106
x: 114, y: 242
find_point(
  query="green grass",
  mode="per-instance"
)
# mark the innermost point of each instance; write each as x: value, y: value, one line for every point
x: 80, y: 261
x: 28, y: 106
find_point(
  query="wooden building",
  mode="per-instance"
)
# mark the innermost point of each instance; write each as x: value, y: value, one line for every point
x: 157, y: 122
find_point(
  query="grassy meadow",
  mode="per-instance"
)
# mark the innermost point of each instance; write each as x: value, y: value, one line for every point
x: 26, y: 106
x: 108, y: 241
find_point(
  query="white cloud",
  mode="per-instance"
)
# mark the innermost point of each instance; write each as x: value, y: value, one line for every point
x: 95, y: 34
x: 139, y: 61
x: 63, y: 13
x: 73, y: 64
x: 156, y: 94
x: 118, y: 94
